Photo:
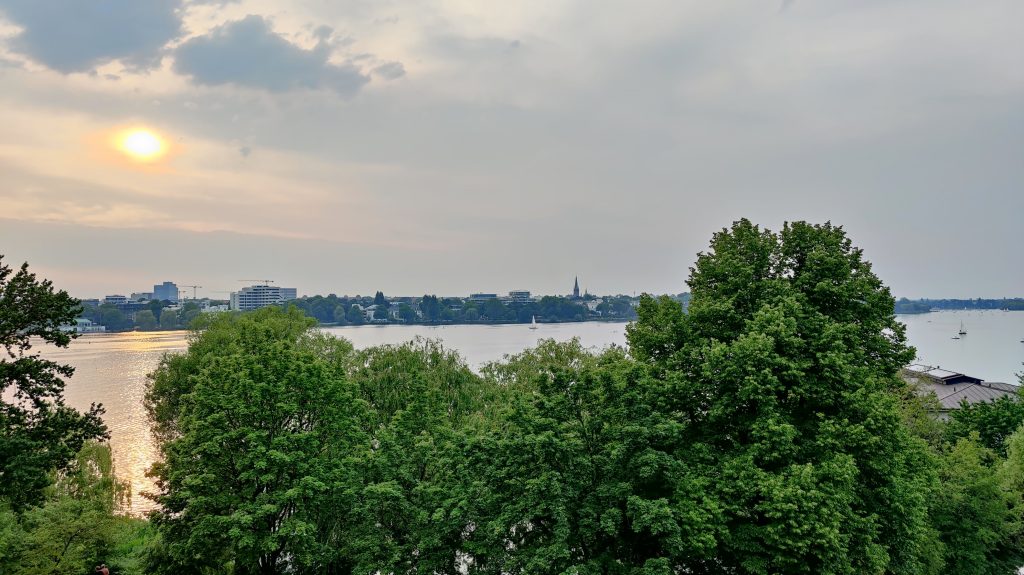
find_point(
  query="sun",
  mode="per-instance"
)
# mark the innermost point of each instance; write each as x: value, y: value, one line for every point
x: 141, y: 145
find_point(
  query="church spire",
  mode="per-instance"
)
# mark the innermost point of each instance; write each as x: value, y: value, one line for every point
x: 576, y: 288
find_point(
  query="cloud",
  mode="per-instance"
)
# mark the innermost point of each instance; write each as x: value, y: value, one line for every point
x: 75, y: 36
x: 390, y: 70
x: 247, y: 52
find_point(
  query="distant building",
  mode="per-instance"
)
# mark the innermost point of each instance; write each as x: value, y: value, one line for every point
x: 576, y: 289
x: 166, y: 291
x: 482, y: 296
x: 519, y: 296
x: 952, y: 388
x: 115, y: 299
x: 257, y: 296
x: 90, y: 302
x: 83, y: 325
x: 141, y: 296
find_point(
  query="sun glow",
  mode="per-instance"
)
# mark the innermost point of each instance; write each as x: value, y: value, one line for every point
x: 141, y: 145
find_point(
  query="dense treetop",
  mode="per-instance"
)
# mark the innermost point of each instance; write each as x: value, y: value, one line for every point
x: 38, y: 432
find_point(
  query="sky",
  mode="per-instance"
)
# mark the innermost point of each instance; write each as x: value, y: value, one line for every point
x: 458, y: 146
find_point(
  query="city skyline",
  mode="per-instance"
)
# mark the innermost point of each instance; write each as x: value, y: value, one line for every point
x: 451, y: 147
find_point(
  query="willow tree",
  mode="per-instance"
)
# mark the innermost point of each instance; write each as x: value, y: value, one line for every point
x: 784, y: 379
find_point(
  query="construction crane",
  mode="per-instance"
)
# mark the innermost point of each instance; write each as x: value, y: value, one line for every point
x: 193, y: 290
x: 264, y: 281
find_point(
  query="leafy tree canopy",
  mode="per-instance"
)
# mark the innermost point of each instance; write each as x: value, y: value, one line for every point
x: 38, y: 432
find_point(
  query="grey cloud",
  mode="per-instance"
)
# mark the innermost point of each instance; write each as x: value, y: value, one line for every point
x: 76, y: 36
x: 390, y: 70
x: 245, y: 151
x: 323, y: 32
x: 247, y: 52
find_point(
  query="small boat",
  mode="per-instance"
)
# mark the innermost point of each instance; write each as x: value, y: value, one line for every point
x: 962, y: 330
x: 533, y: 324
x: 955, y: 337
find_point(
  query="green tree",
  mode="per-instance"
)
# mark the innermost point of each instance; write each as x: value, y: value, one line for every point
x: 380, y: 301
x: 145, y: 320
x: 168, y: 319
x: 430, y: 307
x: 76, y: 527
x: 406, y: 313
x: 355, y: 315
x: 784, y: 374
x: 494, y: 310
x: 993, y: 421
x: 39, y: 434
x: 340, y: 317
x: 188, y: 313
x: 112, y: 318
x: 258, y: 425
x: 420, y: 398
x: 155, y: 307
x: 978, y: 509
x: 580, y: 473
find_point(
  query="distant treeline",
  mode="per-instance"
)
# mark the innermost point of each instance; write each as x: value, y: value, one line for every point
x: 153, y: 315
x: 904, y: 305
x: 433, y: 309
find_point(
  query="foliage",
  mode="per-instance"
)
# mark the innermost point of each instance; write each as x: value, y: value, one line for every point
x: 420, y: 398
x: 784, y: 376
x: 903, y: 305
x: 258, y: 421
x: 580, y: 476
x: 38, y: 432
x: 168, y: 319
x: 978, y: 509
x: 145, y: 320
x: 75, y: 528
x: 355, y: 315
x: 993, y: 421
x: 1009, y: 304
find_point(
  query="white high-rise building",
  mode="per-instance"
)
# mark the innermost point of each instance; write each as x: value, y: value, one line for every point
x: 257, y: 296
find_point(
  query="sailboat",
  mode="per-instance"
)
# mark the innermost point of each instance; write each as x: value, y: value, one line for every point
x: 962, y: 330
x: 533, y: 324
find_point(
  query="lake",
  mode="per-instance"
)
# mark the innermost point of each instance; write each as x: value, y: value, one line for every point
x: 111, y: 368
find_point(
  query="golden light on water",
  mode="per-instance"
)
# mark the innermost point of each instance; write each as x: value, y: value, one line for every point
x: 141, y: 144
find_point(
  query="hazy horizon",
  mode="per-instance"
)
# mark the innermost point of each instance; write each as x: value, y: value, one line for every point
x: 456, y: 147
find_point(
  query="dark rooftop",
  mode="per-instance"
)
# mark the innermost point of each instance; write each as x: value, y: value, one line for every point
x: 951, y: 388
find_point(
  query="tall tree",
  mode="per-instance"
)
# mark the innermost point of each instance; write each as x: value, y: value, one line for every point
x: 168, y: 319
x: 408, y: 515
x: 258, y: 425
x: 38, y: 432
x: 784, y: 375
x: 145, y: 320
x: 579, y: 474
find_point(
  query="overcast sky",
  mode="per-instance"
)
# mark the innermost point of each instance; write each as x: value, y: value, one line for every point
x: 455, y: 146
